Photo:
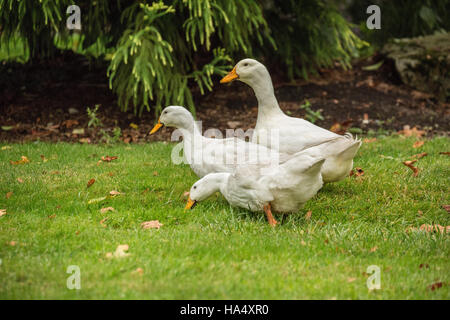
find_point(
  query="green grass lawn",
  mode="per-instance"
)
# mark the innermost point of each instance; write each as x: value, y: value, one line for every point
x: 215, y: 251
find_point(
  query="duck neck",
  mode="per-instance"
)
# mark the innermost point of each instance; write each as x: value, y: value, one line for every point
x: 192, y: 140
x: 267, y: 102
x: 220, y: 181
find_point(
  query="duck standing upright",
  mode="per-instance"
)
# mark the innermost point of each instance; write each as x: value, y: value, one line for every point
x: 294, y: 134
x: 206, y: 155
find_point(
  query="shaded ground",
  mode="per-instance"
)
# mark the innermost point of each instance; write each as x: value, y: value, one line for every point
x: 35, y: 102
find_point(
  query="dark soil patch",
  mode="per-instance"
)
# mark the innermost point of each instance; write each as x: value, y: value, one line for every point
x: 35, y: 103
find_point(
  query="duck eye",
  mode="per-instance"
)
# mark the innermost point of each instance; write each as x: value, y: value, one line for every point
x: 195, y: 187
x: 165, y: 111
x: 245, y: 64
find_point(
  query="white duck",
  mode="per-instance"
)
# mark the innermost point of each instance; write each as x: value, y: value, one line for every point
x: 206, y: 155
x: 295, y: 134
x: 284, y: 189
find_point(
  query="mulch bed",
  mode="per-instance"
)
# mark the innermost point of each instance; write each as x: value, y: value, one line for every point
x: 35, y: 102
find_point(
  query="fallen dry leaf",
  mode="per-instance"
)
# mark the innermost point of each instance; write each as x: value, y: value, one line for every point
x: 22, y: 161
x: 19, y: 180
x: 102, y: 222
x: 424, y: 265
x: 90, y: 182
x: 418, y: 144
x: 341, y: 127
x: 414, y: 132
x: 436, y: 285
x: 108, y: 158
x: 409, y: 164
x: 351, y: 279
x: 155, y: 173
x: 115, y: 193
x: 369, y: 140
x: 153, y: 224
x: 139, y: 271
x: 9, y: 194
x: 446, y: 207
x: 43, y: 158
x: 120, y: 252
x: 445, y: 153
x: 308, y: 215
x: 103, y: 210
x: 374, y: 249
x: 52, y: 216
x: 2, y: 212
x: 419, y: 155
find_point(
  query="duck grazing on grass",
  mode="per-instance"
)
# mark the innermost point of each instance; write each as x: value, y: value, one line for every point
x: 295, y: 134
x: 284, y: 188
x: 207, y: 155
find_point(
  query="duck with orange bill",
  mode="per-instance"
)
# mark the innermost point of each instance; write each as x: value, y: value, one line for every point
x: 207, y: 155
x: 295, y: 134
x: 284, y: 188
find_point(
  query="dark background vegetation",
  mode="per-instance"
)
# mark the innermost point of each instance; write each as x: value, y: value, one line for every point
x: 132, y: 58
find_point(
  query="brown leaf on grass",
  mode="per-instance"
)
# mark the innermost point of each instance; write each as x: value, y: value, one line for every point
x: 115, y: 193
x: 153, y: 224
x: 308, y: 215
x: 418, y: 144
x: 108, y: 158
x: 9, y: 194
x: 419, y: 155
x: 2, y: 212
x: 446, y: 207
x: 90, y: 182
x: 445, y: 153
x: 12, y: 243
x: 186, y: 194
x: 102, y: 222
x: 351, y: 279
x: 138, y: 271
x: 369, y: 140
x: 19, y: 180
x: 21, y: 161
x: 436, y: 285
x: 155, y: 173
x: 414, y: 132
x: 103, y: 210
x: 424, y: 265
x: 120, y: 252
x: 409, y: 164
x: 374, y: 249
x: 52, y: 216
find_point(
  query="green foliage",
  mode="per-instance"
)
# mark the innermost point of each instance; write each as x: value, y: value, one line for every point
x: 402, y: 18
x: 158, y: 52
x: 311, y: 115
x: 309, y: 35
x: 94, y: 121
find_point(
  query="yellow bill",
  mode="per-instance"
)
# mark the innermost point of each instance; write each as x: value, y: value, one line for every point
x: 157, y: 126
x: 190, y: 204
x: 230, y: 76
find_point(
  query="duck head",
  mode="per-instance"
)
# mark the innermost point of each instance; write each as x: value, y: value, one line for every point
x: 174, y: 116
x: 205, y: 187
x: 248, y: 71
